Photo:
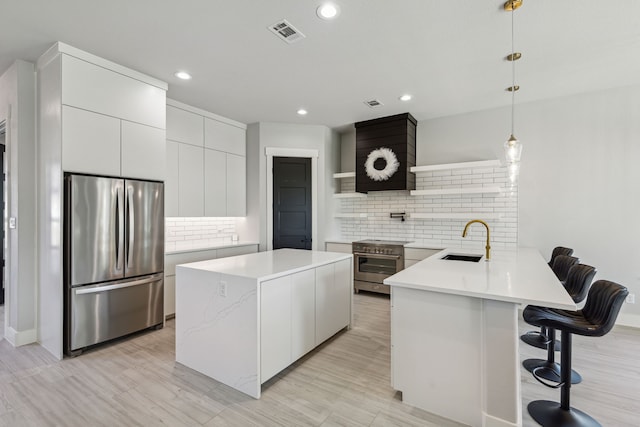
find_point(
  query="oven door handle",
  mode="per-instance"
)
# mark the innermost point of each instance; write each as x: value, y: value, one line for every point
x: 377, y: 255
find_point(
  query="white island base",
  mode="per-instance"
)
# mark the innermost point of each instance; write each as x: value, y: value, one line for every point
x: 243, y: 319
x: 454, y: 333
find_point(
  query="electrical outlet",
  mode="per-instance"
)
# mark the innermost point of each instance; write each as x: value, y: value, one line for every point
x: 631, y: 299
x: 222, y: 289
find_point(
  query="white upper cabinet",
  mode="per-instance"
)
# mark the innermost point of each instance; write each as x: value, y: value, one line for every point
x: 215, y: 183
x: 190, y: 181
x: 91, y: 142
x: 96, y: 88
x: 143, y: 151
x: 171, y: 191
x: 185, y: 126
x: 216, y: 150
x: 236, y: 185
x: 224, y: 137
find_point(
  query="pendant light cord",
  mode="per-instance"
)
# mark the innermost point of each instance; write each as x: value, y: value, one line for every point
x: 513, y: 76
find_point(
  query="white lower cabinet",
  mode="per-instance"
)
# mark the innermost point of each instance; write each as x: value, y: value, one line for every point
x: 300, y: 311
x: 303, y: 313
x: 275, y: 324
x: 333, y: 288
x: 338, y: 247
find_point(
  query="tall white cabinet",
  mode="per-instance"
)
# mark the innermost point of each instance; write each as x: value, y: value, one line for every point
x: 206, y: 164
x: 94, y: 117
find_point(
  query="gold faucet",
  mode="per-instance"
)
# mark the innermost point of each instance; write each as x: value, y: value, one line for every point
x: 488, y: 247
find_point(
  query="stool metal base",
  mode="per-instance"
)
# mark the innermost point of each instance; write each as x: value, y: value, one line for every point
x: 550, y: 414
x: 535, y: 339
x: 551, y: 370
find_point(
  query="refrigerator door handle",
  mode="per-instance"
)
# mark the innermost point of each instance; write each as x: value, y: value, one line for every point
x: 131, y: 230
x: 120, y: 228
x: 122, y: 285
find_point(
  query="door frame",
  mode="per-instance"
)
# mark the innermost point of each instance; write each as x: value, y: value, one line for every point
x: 272, y: 152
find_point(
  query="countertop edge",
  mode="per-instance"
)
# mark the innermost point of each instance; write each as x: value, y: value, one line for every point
x: 210, y: 248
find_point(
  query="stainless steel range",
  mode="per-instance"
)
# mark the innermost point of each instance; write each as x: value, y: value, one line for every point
x: 374, y: 261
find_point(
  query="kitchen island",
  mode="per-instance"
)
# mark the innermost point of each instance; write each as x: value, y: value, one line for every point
x: 454, y: 332
x: 241, y: 320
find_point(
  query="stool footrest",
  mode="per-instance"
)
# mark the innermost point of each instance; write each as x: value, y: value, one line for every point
x: 542, y: 381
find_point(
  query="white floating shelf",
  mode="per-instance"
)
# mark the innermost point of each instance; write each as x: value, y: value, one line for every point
x: 344, y: 175
x: 445, y: 215
x: 468, y: 190
x: 463, y: 165
x: 350, y: 215
x: 349, y: 195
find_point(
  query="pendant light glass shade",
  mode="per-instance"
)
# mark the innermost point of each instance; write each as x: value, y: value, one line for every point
x: 512, y: 150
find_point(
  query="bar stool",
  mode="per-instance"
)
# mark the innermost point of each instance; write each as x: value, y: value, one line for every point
x: 595, y: 320
x: 561, y: 266
x: 577, y: 285
x: 559, y: 250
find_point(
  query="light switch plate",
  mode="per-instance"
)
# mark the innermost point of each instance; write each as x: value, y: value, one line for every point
x: 12, y: 222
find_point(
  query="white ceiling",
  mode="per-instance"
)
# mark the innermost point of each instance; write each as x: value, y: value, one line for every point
x: 448, y: 54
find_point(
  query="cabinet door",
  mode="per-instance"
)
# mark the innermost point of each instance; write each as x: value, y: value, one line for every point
x: 338, y: 247
x: 224, y: 137
x: 333, y: 299
x: 215, y: 183
x: 143, y: 152
x: 190, y: 180
x: 169, y: 295
x: 236, y: 185
x: 275, y: 326
x: 185, y: 126
x: 303, y: 313
x: 171, y: 184
x: 94, y: 88
x: 90, y: 142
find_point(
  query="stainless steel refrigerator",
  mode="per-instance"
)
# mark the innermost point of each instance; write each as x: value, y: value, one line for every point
x: 113, y: 258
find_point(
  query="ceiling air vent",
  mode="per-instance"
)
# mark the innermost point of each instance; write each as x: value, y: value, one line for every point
x: 286, y: 32
x: 373, y: 103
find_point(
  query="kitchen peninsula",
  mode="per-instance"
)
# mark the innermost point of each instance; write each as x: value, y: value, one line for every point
x: 454, y: 332
x: 241, y: 320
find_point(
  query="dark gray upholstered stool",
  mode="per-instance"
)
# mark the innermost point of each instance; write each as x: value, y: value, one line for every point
x: 561, y: 266
x: 595, y: 320
x: 559, y: 250
x: 577, y: 285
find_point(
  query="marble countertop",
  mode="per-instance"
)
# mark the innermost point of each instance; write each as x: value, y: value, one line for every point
x: 520, y: 276
x: 268, y: 265
x: 208, y: 248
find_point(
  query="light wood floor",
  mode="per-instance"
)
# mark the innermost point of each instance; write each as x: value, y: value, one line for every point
x: 135, y: 382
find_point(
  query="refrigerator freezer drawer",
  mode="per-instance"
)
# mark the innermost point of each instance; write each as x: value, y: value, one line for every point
x: 110, y: 310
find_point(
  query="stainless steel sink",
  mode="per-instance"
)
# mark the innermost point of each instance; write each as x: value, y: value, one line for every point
x: 461, y: 257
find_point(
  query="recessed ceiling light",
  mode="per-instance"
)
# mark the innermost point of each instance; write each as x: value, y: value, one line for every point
x: 405, y: 97
x: 302, y: 112
x: 183, y: 75
x: 328, y: 11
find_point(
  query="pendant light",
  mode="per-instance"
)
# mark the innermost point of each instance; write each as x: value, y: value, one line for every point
x: 513, y: 147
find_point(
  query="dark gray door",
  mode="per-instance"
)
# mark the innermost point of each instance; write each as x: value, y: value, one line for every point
x: 291, y: 203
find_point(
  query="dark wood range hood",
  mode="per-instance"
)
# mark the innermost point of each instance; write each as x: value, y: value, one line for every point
x: 385, y: 152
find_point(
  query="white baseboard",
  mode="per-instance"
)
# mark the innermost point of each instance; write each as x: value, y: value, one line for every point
x: 632, y: 320
x: 18, y: 339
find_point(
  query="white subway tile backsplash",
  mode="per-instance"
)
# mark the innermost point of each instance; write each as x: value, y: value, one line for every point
x: 194, y: 233
x: 440, y: 231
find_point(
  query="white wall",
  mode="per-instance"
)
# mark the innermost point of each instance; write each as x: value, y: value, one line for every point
x: 580, y: 180
x: 279, y: 135
x: 17, y: 106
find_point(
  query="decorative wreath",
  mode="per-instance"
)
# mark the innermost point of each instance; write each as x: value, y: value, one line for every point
x: 383, y: 174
